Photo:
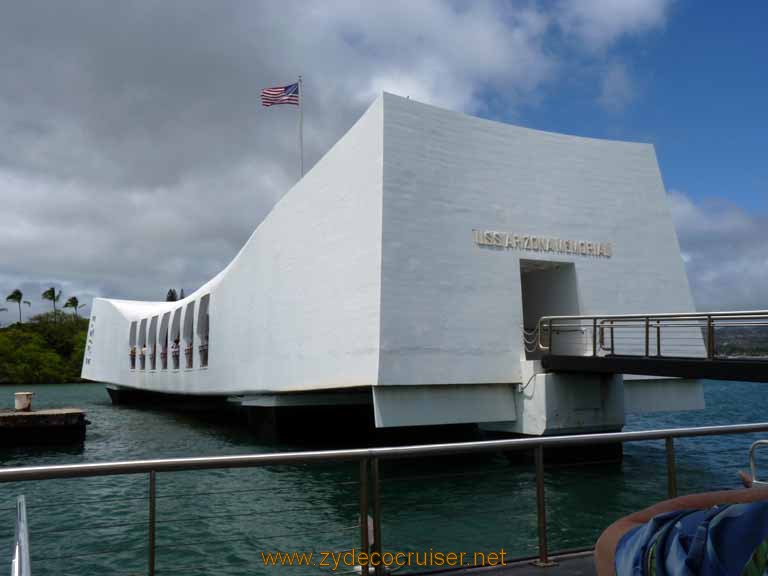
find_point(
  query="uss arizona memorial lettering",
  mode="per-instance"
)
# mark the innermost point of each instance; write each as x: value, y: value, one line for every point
x: 542, y: 244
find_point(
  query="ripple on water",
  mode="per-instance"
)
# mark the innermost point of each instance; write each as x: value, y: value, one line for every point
x: 218, y: 522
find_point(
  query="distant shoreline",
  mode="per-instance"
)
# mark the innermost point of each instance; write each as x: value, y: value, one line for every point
x: 48, y: 348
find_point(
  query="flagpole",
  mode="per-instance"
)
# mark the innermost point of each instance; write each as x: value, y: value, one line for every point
x: 301, y: 129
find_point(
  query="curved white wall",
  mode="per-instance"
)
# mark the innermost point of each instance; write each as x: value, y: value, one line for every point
x: 298, y: 307
x: 366, y: 272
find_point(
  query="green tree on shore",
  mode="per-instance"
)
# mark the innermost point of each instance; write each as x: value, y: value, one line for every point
x: 171, y: 296
x: 51, y: 295
x: 43, y: 350
x: 74, y: 303
x: 18, y: 297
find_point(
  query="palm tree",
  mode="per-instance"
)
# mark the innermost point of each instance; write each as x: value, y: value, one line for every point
x: 18, y: 297
x: 51, y: 295
x: 73, y: 303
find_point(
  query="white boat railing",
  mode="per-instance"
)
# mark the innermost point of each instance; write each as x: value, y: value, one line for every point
x: 753, y: 463
x: 20, y: 559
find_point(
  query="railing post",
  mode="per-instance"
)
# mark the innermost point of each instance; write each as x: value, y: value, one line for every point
x: 613, y: 350
x: 647, y: 341
x: 594, y: 337
x: 364, y: 536
x: 152, y: 511
x: 658, y: 337
x: 710, y: 338
x: 541, y: 509
x: 376, y: 494
x: 551, y: 338
x: 20, y: 565
x: 671, y: 467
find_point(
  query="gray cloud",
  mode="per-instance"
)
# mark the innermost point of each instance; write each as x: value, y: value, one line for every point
x: 135, y: 155
x: 724, y: 251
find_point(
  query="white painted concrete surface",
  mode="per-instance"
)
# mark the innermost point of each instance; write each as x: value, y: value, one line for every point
x: 366, y: 274
x: 451, y: 310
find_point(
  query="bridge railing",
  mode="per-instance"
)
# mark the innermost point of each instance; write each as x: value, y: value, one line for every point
x: 369, y: 478
x: 712, y: 335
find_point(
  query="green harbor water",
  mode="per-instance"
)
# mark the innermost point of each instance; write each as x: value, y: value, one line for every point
x: 219, y: 522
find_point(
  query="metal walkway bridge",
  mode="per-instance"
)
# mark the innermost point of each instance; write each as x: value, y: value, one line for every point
x: 716, y: 345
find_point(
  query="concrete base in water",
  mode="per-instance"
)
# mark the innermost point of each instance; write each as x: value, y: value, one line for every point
x: 134, y: 397
x: 573, y: 455
x: 52, y: 426
x: 344, y: 427
x: 331, y: 420
x: 596, y: 453
x: 308, y: 420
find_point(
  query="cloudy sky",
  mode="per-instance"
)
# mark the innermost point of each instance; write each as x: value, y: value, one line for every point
x: 134, y: 154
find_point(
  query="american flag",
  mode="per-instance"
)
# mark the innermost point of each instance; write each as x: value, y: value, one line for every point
x: 280, y: 95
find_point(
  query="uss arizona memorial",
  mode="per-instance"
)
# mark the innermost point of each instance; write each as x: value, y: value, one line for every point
x: 403, y: 273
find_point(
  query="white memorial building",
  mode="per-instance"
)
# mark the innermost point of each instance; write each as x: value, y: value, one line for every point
x: 399, y: 274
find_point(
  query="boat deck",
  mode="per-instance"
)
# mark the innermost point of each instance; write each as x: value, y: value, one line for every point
x: 577, y: 564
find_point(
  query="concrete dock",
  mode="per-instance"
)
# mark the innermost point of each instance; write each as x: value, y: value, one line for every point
x: 51, y: 426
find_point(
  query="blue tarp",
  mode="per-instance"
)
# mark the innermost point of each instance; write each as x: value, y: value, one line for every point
x: 730, y: 539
